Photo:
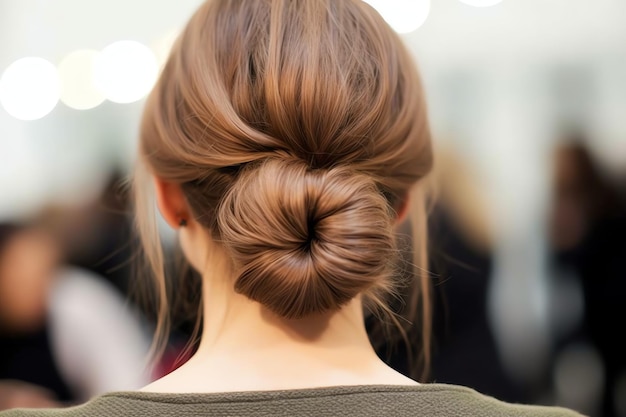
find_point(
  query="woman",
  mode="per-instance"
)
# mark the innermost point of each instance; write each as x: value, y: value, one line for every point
x: 284, y: 140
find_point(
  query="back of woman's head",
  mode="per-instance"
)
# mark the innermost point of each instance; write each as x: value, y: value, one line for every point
x: 296, y: 129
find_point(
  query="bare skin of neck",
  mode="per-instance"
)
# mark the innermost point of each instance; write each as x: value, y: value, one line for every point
x: 244, y: 347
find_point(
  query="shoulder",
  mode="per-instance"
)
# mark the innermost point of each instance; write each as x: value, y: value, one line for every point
x: 462, y: 401
x: 98, y: 407
x: 433, y: 400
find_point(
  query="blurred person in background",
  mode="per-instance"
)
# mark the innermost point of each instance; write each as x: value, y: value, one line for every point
x: 462, y: 256
x: 465, y: 351
x: 588, y: 249
x: 29, y: 375
x: 66, y: 334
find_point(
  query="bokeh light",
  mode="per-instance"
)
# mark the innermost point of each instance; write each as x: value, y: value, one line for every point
x: 126, y: 71
x: 30, y: 88
x: 78, y: 89
x: 481, y: 3
x: 404, y: 16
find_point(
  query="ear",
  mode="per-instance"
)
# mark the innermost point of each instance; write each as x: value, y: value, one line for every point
x: 403, y: 210
x: 171, y: 202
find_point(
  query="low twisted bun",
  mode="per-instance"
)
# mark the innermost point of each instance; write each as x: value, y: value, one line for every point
x: 306, y: 241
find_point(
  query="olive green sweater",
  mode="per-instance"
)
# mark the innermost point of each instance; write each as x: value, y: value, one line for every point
x: 425, y: 400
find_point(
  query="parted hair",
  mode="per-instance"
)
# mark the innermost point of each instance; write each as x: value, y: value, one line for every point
x: 297, y: 130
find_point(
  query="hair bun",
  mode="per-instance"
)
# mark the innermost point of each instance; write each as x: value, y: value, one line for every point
x: 306, y: 241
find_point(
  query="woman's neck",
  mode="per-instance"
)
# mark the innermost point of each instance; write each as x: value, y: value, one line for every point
x: 234, y: 323
x: 244, y: 347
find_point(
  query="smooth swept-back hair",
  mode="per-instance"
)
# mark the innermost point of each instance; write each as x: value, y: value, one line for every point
x: 297, y: 129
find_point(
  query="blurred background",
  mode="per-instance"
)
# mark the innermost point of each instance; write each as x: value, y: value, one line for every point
x: 527, y: 100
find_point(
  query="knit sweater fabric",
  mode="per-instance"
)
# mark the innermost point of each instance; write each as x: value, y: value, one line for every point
x: 432, y: 400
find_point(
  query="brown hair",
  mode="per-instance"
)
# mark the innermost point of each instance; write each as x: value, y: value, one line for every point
x: 297, y: 130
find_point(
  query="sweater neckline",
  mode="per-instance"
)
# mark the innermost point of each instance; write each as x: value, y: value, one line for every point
x: 268, y: 395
